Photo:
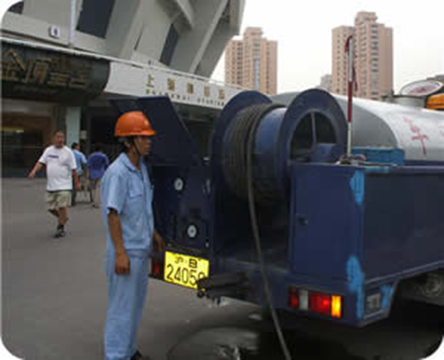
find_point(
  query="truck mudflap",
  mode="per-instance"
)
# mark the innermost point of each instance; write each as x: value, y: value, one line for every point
x: 427, y: 288
x: 228, y: 285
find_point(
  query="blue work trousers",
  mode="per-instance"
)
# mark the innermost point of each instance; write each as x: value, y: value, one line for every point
x: 126, y: 297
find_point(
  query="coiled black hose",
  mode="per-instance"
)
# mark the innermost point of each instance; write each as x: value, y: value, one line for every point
x: 235, y: 152
x: 238, y: 171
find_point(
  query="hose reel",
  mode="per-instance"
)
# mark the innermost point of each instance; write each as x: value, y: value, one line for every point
x: 311, y: 129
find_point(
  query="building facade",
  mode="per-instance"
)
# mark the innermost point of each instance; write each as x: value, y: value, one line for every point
x: 326, y: 82
x: 339, y: 68
x: 252, y: 62
x: 63, y: 59
x: 373, y: 48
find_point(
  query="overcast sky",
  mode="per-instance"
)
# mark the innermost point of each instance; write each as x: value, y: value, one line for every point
x: 303, y: 31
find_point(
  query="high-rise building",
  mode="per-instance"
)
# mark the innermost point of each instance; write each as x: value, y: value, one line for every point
x: 339, y: 59
x: 326, y: 82
x: 252, y: 62
x: 233, y: 62
x: 373, y: 47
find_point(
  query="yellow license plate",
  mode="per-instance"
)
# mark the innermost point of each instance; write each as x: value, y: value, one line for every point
x: 185, y: 270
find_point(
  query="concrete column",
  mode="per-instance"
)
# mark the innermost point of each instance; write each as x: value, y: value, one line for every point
x: 88, y: 119
x: 60, y: 123
x: 192, y: 45
x: 73, y: 114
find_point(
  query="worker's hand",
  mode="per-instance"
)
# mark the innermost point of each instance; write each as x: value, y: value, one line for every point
x: 31, y: 175
x: 78, y: 186
x: 159, y: 243
x: 123, y: 265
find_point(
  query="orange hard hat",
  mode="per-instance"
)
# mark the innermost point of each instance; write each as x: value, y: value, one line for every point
x: 133, y: 123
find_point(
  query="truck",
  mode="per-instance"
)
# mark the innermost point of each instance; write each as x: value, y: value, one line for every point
x: 275, y: 214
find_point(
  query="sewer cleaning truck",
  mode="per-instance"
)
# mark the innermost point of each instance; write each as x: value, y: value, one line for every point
x: 279, y: 215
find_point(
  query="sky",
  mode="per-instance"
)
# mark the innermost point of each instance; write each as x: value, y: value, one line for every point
x: 303, y: 31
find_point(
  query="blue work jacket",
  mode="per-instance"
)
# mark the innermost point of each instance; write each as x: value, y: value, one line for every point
x: 128, y: 190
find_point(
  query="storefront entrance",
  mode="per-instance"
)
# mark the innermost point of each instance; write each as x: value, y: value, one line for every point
x: 25, y: 134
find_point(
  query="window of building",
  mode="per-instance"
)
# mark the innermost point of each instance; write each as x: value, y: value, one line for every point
x: 17, y: 8
x: 170, y: 45
x: 256, y: 74
x: 94, y: 17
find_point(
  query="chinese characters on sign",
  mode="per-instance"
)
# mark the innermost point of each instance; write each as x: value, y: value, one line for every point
x: 57, y: 70
x: 415, y: 129
x: 150, y: 83
x: 184, y: 90
x: 171, y: 85
x: 48, y: 75
x: 441, y: 130
x: 190, y: 88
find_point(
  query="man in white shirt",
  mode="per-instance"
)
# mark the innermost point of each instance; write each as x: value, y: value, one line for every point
x: 61, y: 167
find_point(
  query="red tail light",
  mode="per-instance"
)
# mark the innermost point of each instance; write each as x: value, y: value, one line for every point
x: 315, y: 302
x: 157, y: 268
x: 320, y: 303
x: 293, y: 298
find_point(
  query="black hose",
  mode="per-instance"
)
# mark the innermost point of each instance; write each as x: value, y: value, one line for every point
x: 238, y: 169
x: 235, y: 152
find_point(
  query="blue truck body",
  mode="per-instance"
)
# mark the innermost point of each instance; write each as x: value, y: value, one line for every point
x: 356, y: 231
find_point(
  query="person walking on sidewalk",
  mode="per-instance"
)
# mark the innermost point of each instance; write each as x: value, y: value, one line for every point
x: 81, y: 163
x: 60, y: 171
x: 127, y: 212
x: 98, y: 162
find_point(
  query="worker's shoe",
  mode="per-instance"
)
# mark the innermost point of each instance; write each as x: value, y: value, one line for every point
x: 139, y: 356
x: 60, y: 232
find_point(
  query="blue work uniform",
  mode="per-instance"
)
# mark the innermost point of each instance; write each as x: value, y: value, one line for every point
x: 97, y: 164
x: 80, y: 161
x: 127, y: 190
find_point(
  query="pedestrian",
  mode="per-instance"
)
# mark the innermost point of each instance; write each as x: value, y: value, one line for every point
x: 127, y: 212
x: 81, y: 163
x: 98, y: 162
x: 60, y: 171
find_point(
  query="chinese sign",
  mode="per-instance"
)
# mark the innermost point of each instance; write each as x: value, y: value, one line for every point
x: 36, y: 74
x: 418, y: 135
x: 182, y: 88
x: 441, y: 130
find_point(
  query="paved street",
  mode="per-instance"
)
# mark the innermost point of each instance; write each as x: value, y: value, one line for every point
x: 54, y: 293
x: 54, y: 302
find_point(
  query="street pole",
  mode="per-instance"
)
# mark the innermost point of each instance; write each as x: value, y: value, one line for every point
x: 349, y: 48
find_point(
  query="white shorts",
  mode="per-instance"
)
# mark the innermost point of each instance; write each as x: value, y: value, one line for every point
x: 58, y: 199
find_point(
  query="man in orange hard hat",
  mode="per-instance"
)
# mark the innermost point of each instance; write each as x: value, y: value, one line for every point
x: 127, y: 212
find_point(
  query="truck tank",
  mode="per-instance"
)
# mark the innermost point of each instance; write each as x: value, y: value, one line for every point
x: 418, y: 132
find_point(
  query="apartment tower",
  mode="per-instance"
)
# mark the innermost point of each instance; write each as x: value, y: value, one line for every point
x: 252, y: 62
x: 373, y: 48
x: 339, y: 69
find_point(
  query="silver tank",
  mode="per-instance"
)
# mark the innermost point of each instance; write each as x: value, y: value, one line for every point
x: 419, y: 132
